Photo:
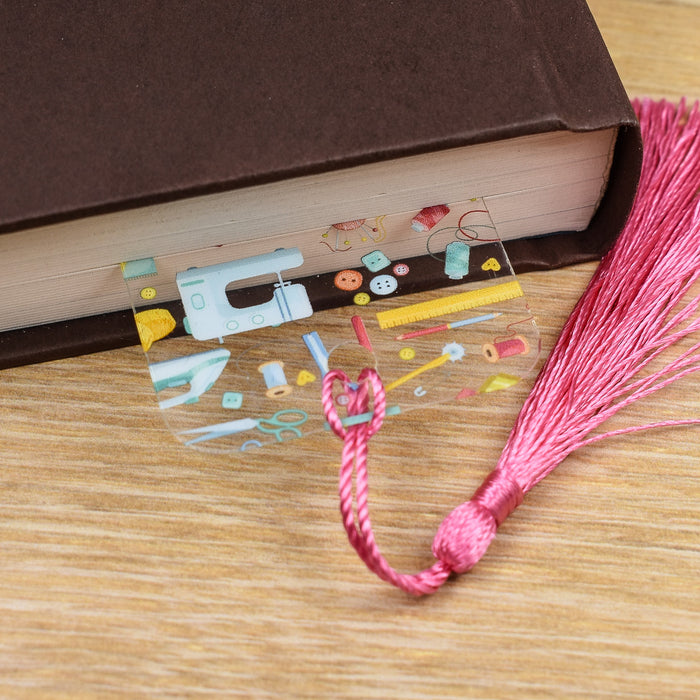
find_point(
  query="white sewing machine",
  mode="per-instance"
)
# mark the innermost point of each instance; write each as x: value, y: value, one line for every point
x: 208, y: 311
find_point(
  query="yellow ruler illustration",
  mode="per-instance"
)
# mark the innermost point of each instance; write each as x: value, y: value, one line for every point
x: 450, y: 304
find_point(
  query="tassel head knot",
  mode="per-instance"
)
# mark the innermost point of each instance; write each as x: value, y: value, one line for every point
x: 499, y: 494
x: 465, y: 534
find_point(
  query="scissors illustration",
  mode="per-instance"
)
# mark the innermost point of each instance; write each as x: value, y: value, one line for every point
x: 287, y: 420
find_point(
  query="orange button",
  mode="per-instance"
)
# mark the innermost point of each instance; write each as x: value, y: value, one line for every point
x: 348, y: 280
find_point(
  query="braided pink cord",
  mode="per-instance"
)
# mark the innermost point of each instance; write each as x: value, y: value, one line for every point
x: 354, y: 462
x: 462, y: 538
x: 638, y: 304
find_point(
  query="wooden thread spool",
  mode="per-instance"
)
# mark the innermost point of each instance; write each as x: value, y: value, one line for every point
x: 275, y: 381
x: 494, y: 352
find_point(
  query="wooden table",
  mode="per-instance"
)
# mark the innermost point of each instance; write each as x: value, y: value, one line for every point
x: 132, y: 567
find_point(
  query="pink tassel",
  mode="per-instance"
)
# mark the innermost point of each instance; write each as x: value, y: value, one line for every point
x: 638, y: 304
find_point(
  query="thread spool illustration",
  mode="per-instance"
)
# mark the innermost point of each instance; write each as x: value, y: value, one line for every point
x: 275, y: 381
x: 493, y: 352
x: 457, y: 260
x: 426, y: 218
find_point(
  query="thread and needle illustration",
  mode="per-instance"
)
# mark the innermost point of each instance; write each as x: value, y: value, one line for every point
x: 447, y: 326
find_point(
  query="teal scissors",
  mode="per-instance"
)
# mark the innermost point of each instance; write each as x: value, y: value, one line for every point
x: 287, y: 420
x: 276, y: 426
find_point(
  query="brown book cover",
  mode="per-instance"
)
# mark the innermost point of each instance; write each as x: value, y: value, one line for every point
x: 110, y: 107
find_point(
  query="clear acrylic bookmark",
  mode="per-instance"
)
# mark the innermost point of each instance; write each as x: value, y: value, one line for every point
x: 239, y: 336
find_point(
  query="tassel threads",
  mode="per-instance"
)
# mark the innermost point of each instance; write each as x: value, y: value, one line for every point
x: 632, y: 310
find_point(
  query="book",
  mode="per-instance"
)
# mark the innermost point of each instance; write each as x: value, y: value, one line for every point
x: 160, y: 130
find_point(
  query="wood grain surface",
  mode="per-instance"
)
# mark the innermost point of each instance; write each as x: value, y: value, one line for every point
x: 135, y: 568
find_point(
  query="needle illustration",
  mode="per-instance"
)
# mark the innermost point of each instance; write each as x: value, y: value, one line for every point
x: 447, y: 326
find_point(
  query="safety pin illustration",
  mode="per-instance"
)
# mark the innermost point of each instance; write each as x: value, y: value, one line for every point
x: 276, y: 425
x: 209, y: 313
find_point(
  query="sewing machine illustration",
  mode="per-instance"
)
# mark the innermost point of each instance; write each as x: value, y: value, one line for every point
x: 208, y: 311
